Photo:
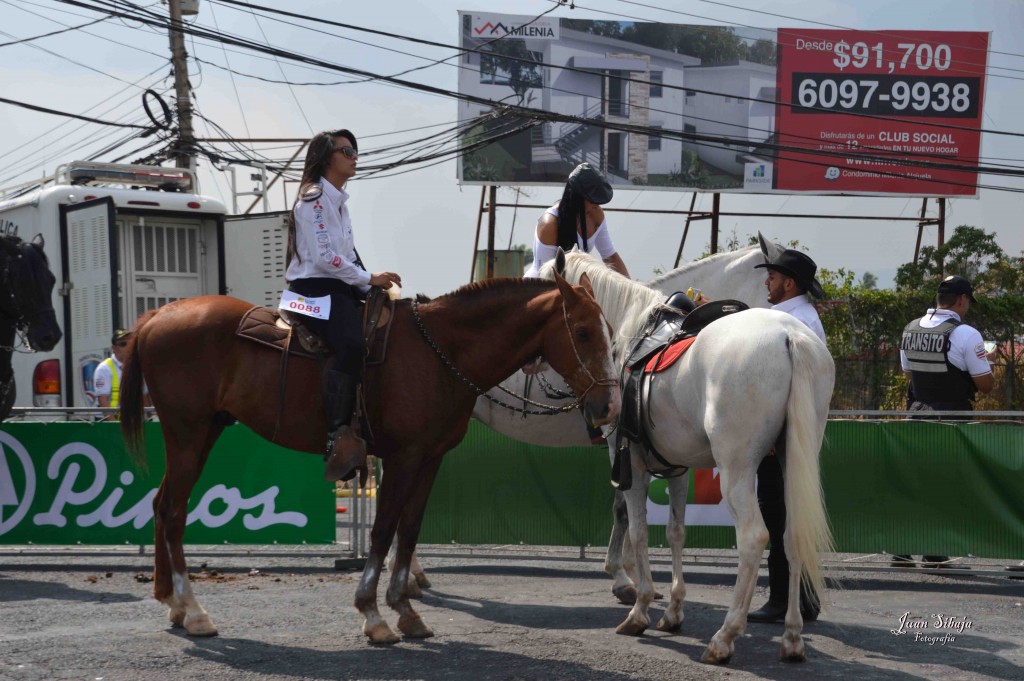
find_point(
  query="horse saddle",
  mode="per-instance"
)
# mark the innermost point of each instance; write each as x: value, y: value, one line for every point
x: 283, y: 330
x: 668, y: 334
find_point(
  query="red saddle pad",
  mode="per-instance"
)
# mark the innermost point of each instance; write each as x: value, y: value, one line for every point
x: 663, y: 360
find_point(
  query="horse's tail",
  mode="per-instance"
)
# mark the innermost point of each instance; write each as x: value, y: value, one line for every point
x: 131, y: 396
x: 806, y: 519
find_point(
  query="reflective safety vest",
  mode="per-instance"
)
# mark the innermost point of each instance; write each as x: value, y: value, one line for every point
x: 933, y: 378
x: 115, y: 383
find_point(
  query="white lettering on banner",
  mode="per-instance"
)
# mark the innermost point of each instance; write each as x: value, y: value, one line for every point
x: 234, y: 502
x: 76, y: 488
x: 66, y: 493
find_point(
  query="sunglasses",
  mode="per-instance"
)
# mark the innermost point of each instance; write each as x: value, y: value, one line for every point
x: 348, y: 151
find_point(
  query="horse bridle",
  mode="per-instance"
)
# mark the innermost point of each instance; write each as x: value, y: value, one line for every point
x: 546, y: 410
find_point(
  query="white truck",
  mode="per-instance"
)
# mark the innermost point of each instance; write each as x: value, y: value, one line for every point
x: 123, y: 239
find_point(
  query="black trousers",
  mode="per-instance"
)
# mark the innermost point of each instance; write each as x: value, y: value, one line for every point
x: 771, y: 498
x: 343, y: 332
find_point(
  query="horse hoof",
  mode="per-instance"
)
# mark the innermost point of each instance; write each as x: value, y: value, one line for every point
x: 625, y: 594
x: 631, y: 628
x: 414, y: 628
x: 200, y: 625
x: 422, y: 580
x: 669, y: 625
x: 791, y: 651
x: 381, y: 635
x: 712, y: 656
x: 658, y: 596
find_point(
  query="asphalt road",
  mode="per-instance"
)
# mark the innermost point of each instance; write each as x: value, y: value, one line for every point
x: 88, y: 616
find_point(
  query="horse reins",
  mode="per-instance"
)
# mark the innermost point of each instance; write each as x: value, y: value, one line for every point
x: 546, y: 410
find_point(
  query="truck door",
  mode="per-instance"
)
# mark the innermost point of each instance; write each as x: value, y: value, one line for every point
x: 91, y: 310
x: 162, y: 261
x: 254, y: 256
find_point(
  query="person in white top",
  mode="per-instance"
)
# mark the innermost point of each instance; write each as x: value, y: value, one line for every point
x: 326, y: 281
x: 791, y: 277
x: 946, y: 364
x: 577, y: 220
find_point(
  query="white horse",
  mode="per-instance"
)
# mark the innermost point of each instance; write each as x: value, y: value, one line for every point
x: 724, y: 403
x: 725, y: 275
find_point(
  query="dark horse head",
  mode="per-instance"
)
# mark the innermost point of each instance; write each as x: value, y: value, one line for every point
x: 26, y: 306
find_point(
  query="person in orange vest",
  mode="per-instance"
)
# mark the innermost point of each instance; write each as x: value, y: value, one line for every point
x: 106, y: 380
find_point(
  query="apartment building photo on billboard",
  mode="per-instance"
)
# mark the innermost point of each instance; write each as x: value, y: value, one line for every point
x: 645, y: 76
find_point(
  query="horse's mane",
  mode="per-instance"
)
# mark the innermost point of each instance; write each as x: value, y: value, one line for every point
x: 499, y: 284
x: 626, y: 303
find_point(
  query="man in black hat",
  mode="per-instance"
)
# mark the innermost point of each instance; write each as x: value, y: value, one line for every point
x: 791, y: 277
x: 946, y: 363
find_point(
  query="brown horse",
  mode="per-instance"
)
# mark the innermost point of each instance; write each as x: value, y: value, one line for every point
x: 441, y: 355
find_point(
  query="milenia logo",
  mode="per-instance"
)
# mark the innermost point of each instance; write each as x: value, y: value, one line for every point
x: 512, y: 26
x: 757, y: 176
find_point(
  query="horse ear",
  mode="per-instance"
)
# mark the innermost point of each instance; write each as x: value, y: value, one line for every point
x: 587, y: 286
x: 560, y: 261
x: 39, y: 241
x: 769, y: 249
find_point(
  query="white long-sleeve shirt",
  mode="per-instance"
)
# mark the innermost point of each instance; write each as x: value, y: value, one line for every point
x: 803, y: 309
x: 324, y: 244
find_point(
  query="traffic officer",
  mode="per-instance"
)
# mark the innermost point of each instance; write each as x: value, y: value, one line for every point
x: 791, y: 277
x: 946, y: 363
x: 106, y: 380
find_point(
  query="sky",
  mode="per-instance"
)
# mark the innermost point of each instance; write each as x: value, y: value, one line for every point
x: 422, y: 223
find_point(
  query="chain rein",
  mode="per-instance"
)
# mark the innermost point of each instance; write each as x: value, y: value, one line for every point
x: 545, y: 409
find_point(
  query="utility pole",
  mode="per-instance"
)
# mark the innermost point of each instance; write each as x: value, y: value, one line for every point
x: 184, y: 148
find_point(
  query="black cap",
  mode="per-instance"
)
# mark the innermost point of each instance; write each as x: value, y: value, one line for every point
x: 590, y: 183
x: 119, y: 335
x: 800, y: 267
x: 956, y: 285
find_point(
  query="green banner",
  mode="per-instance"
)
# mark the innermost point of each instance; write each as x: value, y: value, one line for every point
x: 898, y: 487
x: 73, y: 483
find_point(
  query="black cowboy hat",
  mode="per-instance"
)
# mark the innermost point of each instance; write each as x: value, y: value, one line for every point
x: 590, y: 183
x: 957, y: 285
x: 800, y: 267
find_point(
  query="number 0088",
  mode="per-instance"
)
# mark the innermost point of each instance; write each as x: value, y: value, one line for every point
x: 303, y: 307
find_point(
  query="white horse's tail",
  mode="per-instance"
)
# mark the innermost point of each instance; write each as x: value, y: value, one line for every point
x: 806, y: 413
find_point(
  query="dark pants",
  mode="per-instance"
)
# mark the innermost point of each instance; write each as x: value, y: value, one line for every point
x: 343, y: 332
x: 771, y: 497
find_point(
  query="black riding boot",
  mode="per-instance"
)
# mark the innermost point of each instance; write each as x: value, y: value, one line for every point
x: 345, y: 452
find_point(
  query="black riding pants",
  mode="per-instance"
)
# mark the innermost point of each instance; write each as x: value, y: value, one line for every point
x: 343, y: 332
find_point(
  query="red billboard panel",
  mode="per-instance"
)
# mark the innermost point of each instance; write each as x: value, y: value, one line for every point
x: 879, y: 112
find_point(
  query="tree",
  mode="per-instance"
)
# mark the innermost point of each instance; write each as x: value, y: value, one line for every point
x: 762, y: 52
x: 969, y: 252
x: 510, y: 58
x: 869, y: 281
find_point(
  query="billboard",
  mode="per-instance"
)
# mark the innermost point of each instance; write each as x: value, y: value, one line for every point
x: 902, y: 107
x: 717, y: 108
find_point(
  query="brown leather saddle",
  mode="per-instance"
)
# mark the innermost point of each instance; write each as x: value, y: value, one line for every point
x: 285, y: 332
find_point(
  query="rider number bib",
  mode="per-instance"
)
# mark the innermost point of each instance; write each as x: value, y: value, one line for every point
x: 319, y: 308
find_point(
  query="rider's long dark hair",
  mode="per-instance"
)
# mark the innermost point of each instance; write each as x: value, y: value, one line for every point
x: 318, y: 156
x: 571, y: 214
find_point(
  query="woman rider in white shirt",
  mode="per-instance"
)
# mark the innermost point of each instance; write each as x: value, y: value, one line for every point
x: 577, y: 220
x: 323, y: 263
